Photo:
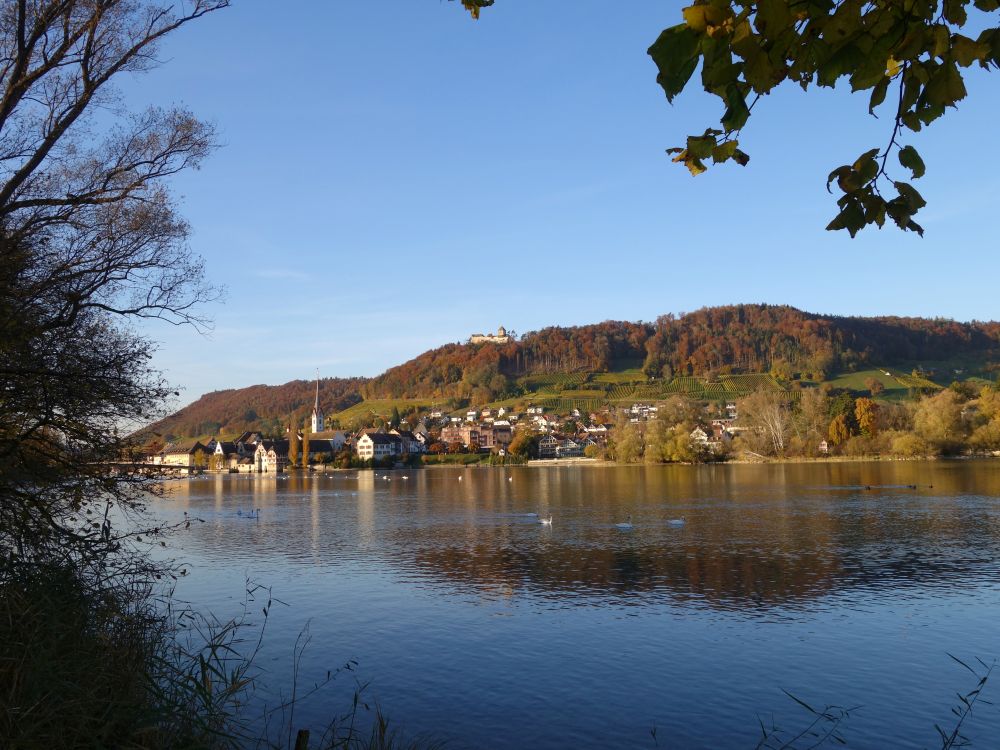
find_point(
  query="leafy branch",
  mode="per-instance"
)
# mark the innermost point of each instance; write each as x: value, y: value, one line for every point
x: 747, y: 48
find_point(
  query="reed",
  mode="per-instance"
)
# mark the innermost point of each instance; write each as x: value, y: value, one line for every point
x: 90, y: 662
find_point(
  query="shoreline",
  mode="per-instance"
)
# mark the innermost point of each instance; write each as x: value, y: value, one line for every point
x: 543, y: 463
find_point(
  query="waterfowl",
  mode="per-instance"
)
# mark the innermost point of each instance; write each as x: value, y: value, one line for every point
x: 626, y: 525
x: 676, y: 522
x: 546, y: 521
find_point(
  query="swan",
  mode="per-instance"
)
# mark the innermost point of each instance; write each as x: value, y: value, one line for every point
x: 404, y: 477
x: 626, y: 525
x: 546, y: 521
x: 676, y: 522
x: 460, y: 479
x: 510, y: 479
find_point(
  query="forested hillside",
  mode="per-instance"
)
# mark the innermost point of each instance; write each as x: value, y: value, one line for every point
x: 267, y: 408
x: 712, y: 343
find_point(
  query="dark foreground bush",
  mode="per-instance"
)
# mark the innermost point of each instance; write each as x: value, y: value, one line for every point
x: 73, y: 665
x: 105, y: 662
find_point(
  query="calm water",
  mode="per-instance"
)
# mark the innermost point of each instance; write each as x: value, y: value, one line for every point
x: 479, y: 626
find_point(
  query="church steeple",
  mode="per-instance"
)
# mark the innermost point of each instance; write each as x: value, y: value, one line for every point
x: 317, y: 415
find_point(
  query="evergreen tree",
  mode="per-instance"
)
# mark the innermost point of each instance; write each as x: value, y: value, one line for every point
x: 293, y: 446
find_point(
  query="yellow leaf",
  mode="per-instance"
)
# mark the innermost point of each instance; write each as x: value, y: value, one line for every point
x: 695, y: 167
x: 694, y: 16
x: 892, y: 67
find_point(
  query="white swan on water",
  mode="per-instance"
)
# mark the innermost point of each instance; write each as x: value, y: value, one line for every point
x: 460, y: 479
x: 626, y: 525
x: 676, y: 522
x: 546, y: 521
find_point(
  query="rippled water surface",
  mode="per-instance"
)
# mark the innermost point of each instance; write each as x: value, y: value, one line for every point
x: 840, y: 583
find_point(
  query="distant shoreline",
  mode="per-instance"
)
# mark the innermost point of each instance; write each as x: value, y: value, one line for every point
x: 544, y: 463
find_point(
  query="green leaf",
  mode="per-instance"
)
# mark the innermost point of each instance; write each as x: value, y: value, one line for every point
x: 845, y: 23
x: 913, y: 199
x: 878, y: 94
x: 945, y: 86
x: 700, y: 147
x: 865, y: 157
x: 954, y: 12
x: 851, y: 218
x: 966, y: 51
x: 758, y: 72
x: 675, y: 53
x: 869, y: 73
x: 942, y: 39
x: 772, y: 16
x: 911, y: 46
x: 910, y: 159
x: 737, y: 112
x: 724, y: 151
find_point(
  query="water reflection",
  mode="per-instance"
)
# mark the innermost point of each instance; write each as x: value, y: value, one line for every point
x: 756, y: 538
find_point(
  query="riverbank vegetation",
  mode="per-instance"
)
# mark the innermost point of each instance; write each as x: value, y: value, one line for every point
x: 822, y: 422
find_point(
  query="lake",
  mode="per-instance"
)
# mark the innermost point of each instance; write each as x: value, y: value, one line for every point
x: 839, y: 583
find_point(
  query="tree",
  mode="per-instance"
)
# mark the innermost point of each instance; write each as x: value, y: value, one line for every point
x: 811, y: 419
x: 394, y: 419
x: 866, y: 412
x: 657, y: 437
x: 627, y: 444
x: 914, y: 51
x: 766, y: 412
x: 938, y: 420
x: 874, y: 386
x: 89, y: 239
x: 840, y: 430
x: 293, y: 445
x: 305, y: 446
x: 525, y: 444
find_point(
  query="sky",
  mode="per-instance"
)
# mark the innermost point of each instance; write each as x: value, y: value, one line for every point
x: 394, y: 176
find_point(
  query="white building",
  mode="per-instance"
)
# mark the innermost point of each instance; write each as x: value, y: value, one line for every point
x: 379, y: 445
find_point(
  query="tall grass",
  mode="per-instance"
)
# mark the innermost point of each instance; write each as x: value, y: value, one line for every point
x: 92, y: 662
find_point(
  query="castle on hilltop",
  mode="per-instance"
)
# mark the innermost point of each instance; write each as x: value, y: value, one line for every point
x: 501, y: 337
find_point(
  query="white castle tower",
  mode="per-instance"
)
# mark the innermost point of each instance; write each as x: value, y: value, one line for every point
x: 317, y: 415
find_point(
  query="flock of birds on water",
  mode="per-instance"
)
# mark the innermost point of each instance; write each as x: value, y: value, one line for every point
x: 626, y: 525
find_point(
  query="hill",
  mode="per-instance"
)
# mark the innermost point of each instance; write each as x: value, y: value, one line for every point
x: 266, y: 408
x: 713, y: 353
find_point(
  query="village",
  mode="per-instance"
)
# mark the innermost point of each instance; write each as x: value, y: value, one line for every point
x: 486, y: 432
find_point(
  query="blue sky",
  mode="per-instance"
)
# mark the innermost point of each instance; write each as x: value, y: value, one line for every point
x: 395, y: 176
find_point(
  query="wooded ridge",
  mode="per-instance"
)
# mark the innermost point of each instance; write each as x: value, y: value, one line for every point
x: 709, y: 344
